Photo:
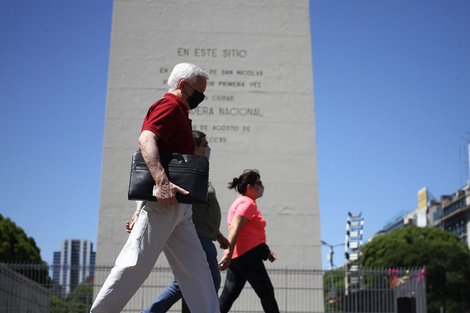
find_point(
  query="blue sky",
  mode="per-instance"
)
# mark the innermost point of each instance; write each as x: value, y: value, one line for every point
x: 392, y: 105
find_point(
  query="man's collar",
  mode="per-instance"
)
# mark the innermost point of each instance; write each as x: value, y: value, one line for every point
x: 181, y: 103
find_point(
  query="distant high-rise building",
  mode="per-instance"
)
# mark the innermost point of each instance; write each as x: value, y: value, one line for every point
x: 450, y: 213
x: 73, y: 264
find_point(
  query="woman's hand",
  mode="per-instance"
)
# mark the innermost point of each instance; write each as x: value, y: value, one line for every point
x: 272, y: 257
x: 225, y: 262
x: 238, y: 222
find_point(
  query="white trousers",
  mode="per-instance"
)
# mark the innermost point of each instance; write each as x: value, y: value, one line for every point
x: 171, y: 230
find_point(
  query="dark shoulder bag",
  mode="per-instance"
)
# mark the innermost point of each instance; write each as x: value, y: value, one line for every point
x: 190, y: 172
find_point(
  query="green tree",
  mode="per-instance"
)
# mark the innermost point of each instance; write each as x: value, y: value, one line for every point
x: 333, y: 285
x: 446, y: 258
x: 15, y: 245
x: 78, y: 301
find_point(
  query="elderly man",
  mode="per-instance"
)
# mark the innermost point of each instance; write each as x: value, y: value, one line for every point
x: 206, y: 219
x: 165, y: 225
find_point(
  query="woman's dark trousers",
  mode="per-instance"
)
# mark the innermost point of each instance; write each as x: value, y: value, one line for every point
x: 248, y: 267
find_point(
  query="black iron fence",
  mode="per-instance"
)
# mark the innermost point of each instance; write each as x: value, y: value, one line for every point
x: 30, y: 288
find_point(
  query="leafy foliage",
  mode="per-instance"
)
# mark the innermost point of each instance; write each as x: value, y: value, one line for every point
x: 333, y: 284
x: 78, y: 301
x: 446, y: 258
x: 15, y: 245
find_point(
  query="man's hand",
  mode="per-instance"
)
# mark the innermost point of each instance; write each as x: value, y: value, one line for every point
x: 130, y: 225
x: 224, y: 243
x: 166, y: 193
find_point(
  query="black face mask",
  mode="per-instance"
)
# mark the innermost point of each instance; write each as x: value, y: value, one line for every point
x: 194, y: 99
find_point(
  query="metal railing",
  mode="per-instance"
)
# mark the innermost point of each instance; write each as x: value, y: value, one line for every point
x: 29, y: 288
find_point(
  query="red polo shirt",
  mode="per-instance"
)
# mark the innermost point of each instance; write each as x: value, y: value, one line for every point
x: 168, y: 119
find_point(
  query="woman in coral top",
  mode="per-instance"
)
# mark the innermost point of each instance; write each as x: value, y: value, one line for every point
x: 247, y: 237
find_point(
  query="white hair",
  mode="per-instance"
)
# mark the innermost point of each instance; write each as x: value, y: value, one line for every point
x: 187, y: 71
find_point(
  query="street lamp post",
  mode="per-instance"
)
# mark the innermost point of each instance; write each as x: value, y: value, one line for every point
x: 330, y: 258
x: 330, y: 254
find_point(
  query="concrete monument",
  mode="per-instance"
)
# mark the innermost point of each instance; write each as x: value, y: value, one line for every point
x: 258, y: 112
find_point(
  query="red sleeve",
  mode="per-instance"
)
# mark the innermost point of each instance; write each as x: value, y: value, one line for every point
x: 161, y: 120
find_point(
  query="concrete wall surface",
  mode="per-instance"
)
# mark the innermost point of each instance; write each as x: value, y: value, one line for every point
x: 258, y: 112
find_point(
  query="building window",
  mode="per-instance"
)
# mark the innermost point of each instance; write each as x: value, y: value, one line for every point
x: 454, y: 207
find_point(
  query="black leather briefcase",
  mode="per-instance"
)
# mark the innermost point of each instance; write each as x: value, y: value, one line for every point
x: 190, y: 172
